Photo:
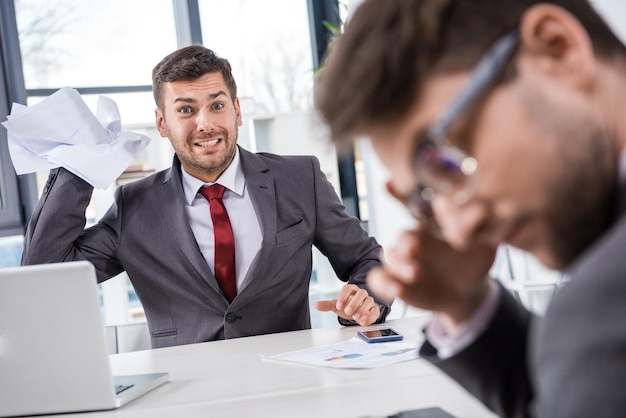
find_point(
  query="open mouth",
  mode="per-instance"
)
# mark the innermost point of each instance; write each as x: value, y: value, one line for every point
x: 208, y: 144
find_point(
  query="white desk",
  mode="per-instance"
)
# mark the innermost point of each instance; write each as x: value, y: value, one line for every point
x: 229, y: 379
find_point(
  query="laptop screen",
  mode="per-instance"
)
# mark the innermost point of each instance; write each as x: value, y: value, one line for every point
x: 53, y: 355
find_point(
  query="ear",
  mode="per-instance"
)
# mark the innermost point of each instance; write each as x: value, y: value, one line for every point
x: 160, y: 122
x: 238, y: 111
x: 555, y: 43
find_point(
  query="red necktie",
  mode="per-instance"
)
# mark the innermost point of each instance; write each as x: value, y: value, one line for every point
x: 224, y: 240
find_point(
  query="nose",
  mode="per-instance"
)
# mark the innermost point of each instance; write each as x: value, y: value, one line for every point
x: 204, y: 121
x: 460, y: 222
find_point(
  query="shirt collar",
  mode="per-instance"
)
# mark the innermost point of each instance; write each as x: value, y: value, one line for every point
x: 232, y: 178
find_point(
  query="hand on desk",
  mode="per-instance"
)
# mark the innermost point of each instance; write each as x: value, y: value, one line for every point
x: 353, y: 304
x: 428, y: 273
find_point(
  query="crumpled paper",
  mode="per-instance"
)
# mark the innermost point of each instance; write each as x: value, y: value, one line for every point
x: 61, y: 131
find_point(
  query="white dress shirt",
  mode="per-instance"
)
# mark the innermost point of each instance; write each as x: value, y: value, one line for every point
x: 243, y: 217
x: 467, y: 332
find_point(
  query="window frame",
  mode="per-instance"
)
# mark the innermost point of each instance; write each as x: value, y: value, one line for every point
x: 18, y: 194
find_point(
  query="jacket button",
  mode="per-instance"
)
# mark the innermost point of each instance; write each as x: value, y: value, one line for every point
x: 231, y: 317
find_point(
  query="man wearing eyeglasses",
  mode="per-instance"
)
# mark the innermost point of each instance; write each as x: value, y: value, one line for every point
x: 499, y: 122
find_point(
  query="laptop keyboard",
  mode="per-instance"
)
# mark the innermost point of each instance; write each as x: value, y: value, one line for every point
x: 121, y: 388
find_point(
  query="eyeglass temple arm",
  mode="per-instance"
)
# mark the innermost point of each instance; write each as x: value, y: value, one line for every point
x: 485, y: 73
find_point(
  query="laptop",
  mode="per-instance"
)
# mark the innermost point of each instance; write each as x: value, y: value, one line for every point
x: 53, y: 355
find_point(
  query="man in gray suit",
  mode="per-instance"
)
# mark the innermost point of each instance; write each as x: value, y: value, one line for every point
x: 161, y: 230
x: 500, y: 122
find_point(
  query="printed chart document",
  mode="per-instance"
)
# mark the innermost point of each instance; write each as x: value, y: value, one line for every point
x: 352, y: 354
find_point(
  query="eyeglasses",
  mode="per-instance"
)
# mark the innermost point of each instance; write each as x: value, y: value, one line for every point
x: 440, y: 166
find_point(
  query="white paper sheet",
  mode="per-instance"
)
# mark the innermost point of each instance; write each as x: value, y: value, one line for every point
x: 352, y: 354
x: 61, y: 131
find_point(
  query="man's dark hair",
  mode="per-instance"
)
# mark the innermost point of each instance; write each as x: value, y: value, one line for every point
x: 377, y: 67
x: 190, y: 63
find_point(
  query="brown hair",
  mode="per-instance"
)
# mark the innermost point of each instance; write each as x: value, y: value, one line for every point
x: 377, y: 66
x: 190, y: 63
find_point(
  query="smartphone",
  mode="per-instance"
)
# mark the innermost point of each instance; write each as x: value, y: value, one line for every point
x: 380, y: 335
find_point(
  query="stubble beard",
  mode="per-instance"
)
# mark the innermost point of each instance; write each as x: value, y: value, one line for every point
x: 582, y: 192
x: 580, y: 185
x: 221, y: 165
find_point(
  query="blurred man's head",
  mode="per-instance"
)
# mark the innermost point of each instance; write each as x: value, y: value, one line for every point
x: 527, y: 154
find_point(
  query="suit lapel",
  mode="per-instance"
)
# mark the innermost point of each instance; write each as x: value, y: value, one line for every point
x: 170, y: 205
x: 260, y: 186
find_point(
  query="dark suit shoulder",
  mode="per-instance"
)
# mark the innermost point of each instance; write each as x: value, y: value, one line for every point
x: 274, y: 160
x: 146, y: 184
x: 605, y: 254
x: 580, y: 351
x: 597, y: 276
x: 289, y: 168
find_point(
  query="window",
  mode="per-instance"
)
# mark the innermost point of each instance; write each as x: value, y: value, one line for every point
x: 10, y: 214
x: 11, y: 203
x: 11, y: 250
x: 268, y: 44
x: 101, y: 47
x: 93, y: 44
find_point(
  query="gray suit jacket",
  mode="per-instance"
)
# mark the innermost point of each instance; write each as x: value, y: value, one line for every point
x: 572, y: 362
x: 146, y: 233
